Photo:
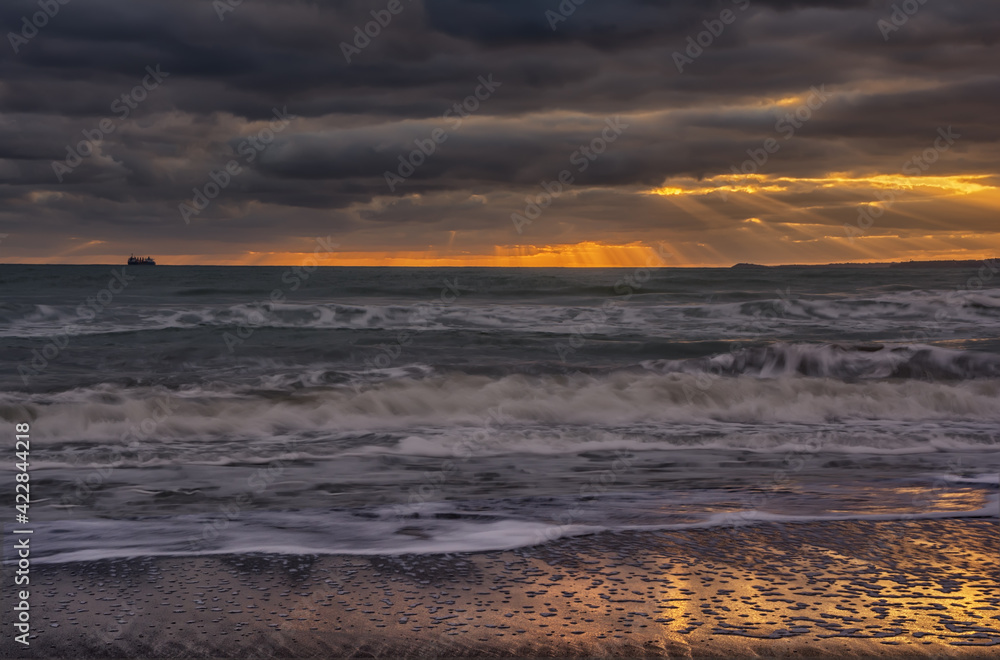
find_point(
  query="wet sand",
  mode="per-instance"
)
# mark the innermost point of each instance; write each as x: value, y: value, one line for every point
x: 916, y: 589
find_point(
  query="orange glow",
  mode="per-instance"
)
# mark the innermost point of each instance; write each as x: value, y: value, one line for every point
x: 867, y: 248
x: 581, y: 255
x: 757, y: 183
x: 588, y: 254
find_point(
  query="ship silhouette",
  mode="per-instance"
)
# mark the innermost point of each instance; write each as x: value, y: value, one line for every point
x: 141, y: 261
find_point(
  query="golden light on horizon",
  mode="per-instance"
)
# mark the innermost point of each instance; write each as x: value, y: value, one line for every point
x: 760, y: 183
x: 865, y: 248
x: 769, y: 220
x: 588, y: 254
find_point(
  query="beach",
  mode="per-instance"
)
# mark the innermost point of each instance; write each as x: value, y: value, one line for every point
x: 911, y: 589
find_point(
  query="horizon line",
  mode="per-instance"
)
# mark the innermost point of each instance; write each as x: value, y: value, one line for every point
x: 734, y: 265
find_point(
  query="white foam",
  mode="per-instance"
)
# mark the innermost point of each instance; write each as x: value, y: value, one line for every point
x: 477, y: 409
x: 319, y: 533
x: 992, y: 479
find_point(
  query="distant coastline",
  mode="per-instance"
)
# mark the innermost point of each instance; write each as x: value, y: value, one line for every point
x: 956, y: 263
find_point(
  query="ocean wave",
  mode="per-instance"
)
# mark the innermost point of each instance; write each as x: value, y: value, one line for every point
x: 841, y: 361
x: 612, y: 315
x: 623, y: 399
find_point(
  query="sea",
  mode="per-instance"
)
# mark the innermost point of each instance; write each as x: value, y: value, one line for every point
x: 183, y: 410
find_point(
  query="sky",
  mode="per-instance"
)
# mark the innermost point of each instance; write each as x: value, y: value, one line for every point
x: 499, y: 132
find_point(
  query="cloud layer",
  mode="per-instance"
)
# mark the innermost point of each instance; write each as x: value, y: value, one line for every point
x: 768, y: 127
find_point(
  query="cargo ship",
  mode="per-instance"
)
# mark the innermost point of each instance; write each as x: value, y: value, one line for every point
x: 141, y: 261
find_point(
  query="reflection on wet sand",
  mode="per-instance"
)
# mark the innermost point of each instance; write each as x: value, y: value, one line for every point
x: 892, y: 589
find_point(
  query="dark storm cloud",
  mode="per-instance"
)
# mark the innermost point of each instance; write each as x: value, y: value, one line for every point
x: 228, y: 70
x: 600, y: 24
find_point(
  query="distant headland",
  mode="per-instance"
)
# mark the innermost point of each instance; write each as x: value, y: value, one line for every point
x: 963, y: 263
